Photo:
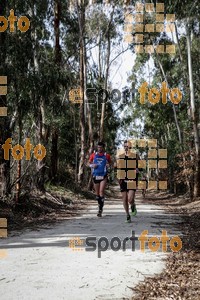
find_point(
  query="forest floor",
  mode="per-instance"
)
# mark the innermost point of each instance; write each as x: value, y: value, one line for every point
x: 49, y: 222
x: 57, y: 204
x: 181, y: 276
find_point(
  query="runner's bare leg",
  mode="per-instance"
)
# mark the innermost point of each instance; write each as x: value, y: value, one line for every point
x: 131, y: 197
x: 97, y: 188
x: 125, y: 202
x: 102, y: 187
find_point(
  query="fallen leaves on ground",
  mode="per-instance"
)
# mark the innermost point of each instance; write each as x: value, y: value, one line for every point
x: 181, y: 278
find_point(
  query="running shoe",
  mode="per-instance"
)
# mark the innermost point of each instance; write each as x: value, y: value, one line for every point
x: 99, y: 213
x: 133, y: 210
x: 128, y: 219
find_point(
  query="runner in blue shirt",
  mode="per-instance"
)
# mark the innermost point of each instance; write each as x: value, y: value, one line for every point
x: 99, y: 162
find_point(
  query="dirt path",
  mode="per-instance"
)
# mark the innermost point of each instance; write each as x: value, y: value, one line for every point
x: 41, y: 265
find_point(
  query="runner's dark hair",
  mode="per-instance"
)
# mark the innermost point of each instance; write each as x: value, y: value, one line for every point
x: 101, y: 144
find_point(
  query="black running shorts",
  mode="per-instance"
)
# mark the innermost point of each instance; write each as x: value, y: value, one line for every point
x: 123, y: 185
x: 98, y: 180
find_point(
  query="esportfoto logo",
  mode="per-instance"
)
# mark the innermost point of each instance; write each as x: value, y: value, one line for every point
x: 136, y: 22
x: 102, y: 244
x: 156, y: 160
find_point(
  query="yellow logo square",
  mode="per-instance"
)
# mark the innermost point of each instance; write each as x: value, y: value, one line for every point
x: 160, y: 49
x: 120, y: 153
x: 131, y: 174
x: 139, y: 38
x: 133, y: 143
x: 160, y: 18
x: 142, y: 143
x: 128, y: 28
x: 128, y: 38
x: 162, y: 164
x: 152, y: 164
x: 139, y: 28
x: 129, y: 18
x: 152, y: 185
x: 76, y: 96
x: 139, y: 7
x: 170, y: 28
x: 3, y: 90
x: 131, y: 154
x: 3, y: 228
x: 152, y: 143
x: 149, y: 7
x: 152, y: 153
x: 131, y: 185
x: 3, y: 111
x: 3, y: 253
x: 149, y: 28
x: 139, y: 49
x: 170, y: 17
x: 142, y: 185
x: 139, y: 18
x: 121, y: 163
x: 162, y: 153
x: 160, y: 7
x: 160, y: 28
x: 142, y: 164
x: 170, y: 49
x: 121, y: 174
x: 162, y: 185
x: 3, y: 80
x: 131, y: 164
x: 149, y: 49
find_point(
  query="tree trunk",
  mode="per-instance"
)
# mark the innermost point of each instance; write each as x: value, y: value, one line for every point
x: 101, y: 134
x: 88, y: 110
x: 43, y: 137
x: 179, y: 132
x: 5, y: 131
x: 193, y: 115
x: 81, y: 17
x: 18, y: 184
x: 57, y: 50
x: 54, y: 155
x: 57, y: 11
x: 101, y: 130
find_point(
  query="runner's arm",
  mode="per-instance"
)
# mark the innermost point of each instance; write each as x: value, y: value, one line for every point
x: 90, y: 163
